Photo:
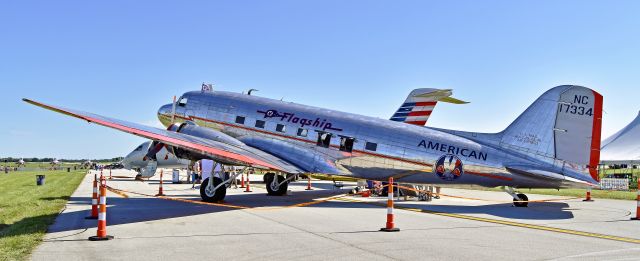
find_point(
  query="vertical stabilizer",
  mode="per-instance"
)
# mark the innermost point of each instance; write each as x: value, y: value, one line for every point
x: 565, y: 124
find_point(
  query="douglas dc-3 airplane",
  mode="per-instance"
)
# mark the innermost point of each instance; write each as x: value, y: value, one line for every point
x: 420, y: 103
x: 555, y: 143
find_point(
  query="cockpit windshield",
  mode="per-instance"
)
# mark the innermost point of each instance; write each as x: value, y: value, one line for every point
x: 183, y: 101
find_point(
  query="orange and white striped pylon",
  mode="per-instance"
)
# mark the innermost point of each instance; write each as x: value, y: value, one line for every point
x: 110, y: 177
x: 94, y: 199
x: 242, y: 180
x: 637, y: 202
x: 588, y: 198
x: 101, y: 235
x: 309, y: 183
x: 390, y: 226
x: 248, y: 189
x: 160, y: 191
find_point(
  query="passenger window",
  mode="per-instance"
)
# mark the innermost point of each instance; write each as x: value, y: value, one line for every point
x: 346, y: 143
x: 239, y: 120
x: 260, y: 124
x: 324, y: 139
x: 302, y: 132
x: 371, y: 146
x: 183, y: 101
x: 281, y: 128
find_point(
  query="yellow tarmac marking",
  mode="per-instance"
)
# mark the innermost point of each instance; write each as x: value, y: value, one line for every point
x: 117, y: 192
x: 304, y: 204
x: 507, y: 223
x: 180, y: 199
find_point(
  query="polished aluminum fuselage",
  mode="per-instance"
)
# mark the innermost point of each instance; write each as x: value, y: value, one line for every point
x: 407, y: 152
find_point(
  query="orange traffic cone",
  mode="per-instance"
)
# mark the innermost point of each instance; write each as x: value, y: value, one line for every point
x: 102, y: 215
x: 160, y: 192
x: 309, y: 183
x: 248, y: 189
x: 94, y: 199
x: 390, y: 226
x: 242, y: 180
x: 110, y: 177
x: 637, y: 203
x: 588, y: 198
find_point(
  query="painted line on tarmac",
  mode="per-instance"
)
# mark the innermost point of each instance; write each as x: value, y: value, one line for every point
x: 117, y: 192
x: 180, y: 199
x: 304, y: 204
x: 504, y: 222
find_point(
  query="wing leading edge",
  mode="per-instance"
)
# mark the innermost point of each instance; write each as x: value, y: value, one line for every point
x: 216, y: 150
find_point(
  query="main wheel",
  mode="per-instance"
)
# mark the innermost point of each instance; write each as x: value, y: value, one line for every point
x: 212, y: 196
x: 272, y: 187
x: 523, y: 202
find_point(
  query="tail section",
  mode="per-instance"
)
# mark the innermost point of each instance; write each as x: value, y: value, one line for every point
x: 420, y: 103
x: 565, y: 124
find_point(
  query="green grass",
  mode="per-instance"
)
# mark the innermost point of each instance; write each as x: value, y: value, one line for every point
x: 604, y: 194
x: 26, y: 210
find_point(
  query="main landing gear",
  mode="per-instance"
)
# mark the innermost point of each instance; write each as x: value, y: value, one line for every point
x: 214, y: 192
x: 519, y: 200
x: 277, y: 185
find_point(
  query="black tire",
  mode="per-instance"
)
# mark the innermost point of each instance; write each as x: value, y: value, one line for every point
x: 521, y: 204
x: 217, y: 196
x: 282, y: 190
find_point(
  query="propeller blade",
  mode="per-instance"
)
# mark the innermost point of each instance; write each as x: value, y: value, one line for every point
x: 173, y: 110
x: 153, y: 150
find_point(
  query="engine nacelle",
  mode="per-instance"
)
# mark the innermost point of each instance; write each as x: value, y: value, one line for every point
x: 192, y: 129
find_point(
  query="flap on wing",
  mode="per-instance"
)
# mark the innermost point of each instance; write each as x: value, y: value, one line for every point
x: 216, y: 150
x: 534, y: 172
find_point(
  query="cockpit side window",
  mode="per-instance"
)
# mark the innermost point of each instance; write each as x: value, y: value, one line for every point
x: 183, y: 101
x: 139, y: 148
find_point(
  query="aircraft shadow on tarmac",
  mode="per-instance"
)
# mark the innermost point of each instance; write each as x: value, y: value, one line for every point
x: 535, y: 211
x: 134, y: 210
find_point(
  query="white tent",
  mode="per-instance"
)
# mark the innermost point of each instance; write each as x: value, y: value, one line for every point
x: 623, y: 147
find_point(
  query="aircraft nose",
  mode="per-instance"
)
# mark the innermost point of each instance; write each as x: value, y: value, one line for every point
x: 164, y: 114
x: 165, y: 109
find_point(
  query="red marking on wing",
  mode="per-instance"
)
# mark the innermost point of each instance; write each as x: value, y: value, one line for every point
x: 159, y: 137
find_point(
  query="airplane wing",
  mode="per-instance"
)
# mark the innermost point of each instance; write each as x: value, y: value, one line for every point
x: 241, y: 155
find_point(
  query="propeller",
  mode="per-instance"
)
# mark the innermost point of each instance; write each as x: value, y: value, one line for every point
x: 153, y: 150
x: 173, y: 110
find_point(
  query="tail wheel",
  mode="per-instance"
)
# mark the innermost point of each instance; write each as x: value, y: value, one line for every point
x: 523, y: 202
x: 272, y: 184
x: 212, y: 196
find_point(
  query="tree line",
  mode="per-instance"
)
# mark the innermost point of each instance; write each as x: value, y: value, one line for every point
x: 11, y: 159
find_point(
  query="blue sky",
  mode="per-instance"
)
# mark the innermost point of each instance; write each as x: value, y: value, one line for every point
x: 126, y: 58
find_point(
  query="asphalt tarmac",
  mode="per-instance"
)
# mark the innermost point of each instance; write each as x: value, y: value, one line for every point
x: 323, y: 224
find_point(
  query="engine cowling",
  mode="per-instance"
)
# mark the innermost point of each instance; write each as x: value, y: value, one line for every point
x: 192, y: 129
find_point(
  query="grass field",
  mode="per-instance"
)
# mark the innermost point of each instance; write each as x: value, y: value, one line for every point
x: 26, y: 210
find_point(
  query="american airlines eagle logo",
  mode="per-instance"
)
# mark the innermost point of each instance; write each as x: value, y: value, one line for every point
x: 292, y: 118
x: 449, y: 167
